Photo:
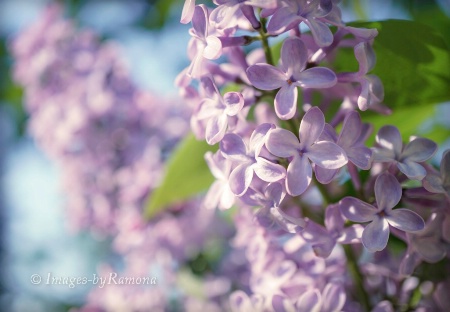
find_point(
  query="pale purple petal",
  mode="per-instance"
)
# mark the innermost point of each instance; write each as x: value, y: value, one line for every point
x: 321, y: 242
x: 351, y: 130
x: 240, y: 179
x: 333, y: 298
x: 309, y: 301
x: 383, y: 306
x: 311, y: 126
x: 233, y: 147
x: 266, y: 77
x: 382, y: 155
x: 405, y: 220
x: 234, y: 101
x: 213, y: 48
x: 430, y: 248
x: 327, y: 155
x: 286, y: 222
x: 275, y: 192
x: 223, y: 15
x: 389, y: 138
x: 215, y: 129
x: 388, y: 191
x: 188, y: 11
x: 433, y: 183
x: 328, y: 134
x: 376, y: 234
x: 334, y: 220
x: 282, y: 143
x: 265, y: 4
x: 209, y: 87
x: 294, y: 56
x: 419, y: 150
x: 286, y: 102
x: 213, y: 195
x: 408, y: 264
x: 351, y: 234
x: 283, y: 19
x: 320, y: 31
x: 282, y: 304
x: 196, y: 66
x: 199, y: 21
x: 325, y: 176
x: 258, y: 137
x: 316, y: 77
x: 268, y: 171
x: 299, y: 173
x: 240, y: 302
x: 360, y: 156
x: 366, y: 57
x: 227, y: 198
x: 412, y: 170
x: 356, y: 210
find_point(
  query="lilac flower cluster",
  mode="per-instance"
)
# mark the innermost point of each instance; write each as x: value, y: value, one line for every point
x: 109, y: 138
x: 304, y: 164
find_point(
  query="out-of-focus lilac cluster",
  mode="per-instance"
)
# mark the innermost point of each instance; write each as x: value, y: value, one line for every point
x: 109, y: 137
x: 292, y: 145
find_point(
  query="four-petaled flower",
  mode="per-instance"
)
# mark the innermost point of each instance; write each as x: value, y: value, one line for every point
x: 407, y: 158
x: 248, y: 161
x: 289, y: 76
x: 388, y: 193
x: 283, y: 143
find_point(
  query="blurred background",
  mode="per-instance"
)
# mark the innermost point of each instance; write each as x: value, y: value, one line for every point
x: 35, y: 236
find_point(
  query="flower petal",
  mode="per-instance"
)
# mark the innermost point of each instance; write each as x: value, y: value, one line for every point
x: 240, y: 179
x: 282, y: 143
x: 412, y: 170
x: 351, y: 234
x: 445, y: 170
x: 286, y: 102
x: 309, y: 301
x: 360, y: 156
x: 213, y: 48
x: 405, y: 220
x: 325, y: 176
x: 282, y: 20
x: 320, y: 31
x: 419, y: 150
x: 268, y: 171
x: 327, y: 155
x: 366, y: 57
x: 316, y: 77
x: 333, y: 297
x: 215, y: 129
x: 389, y: 138
x: 433, y: 183
x: 351, y: 130
x: 199, y: 21
x: 233, y: 147
x: 234, y: 101
x: 266, y: 77
x: 311, y: 126
x: 376, y: 234
x: 188, y: 11
x: 299, y: 173
x: 388, y: 191
x: 356, y: 210
x: 293, y: 56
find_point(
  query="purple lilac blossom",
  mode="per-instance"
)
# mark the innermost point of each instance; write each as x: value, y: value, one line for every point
x: 300, y: 151
x: 106, y: 134
x: 439, y: 182
x: 203, y: 45
x: 351, y: 140
x: 291, y: 74
x: 296, y: 11
x: 388, y: 193
x: 408, y: 158
x: 248, y: 160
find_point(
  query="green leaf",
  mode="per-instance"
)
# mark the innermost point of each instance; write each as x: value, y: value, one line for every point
x: 413, y: 62
x: 187, y: 174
